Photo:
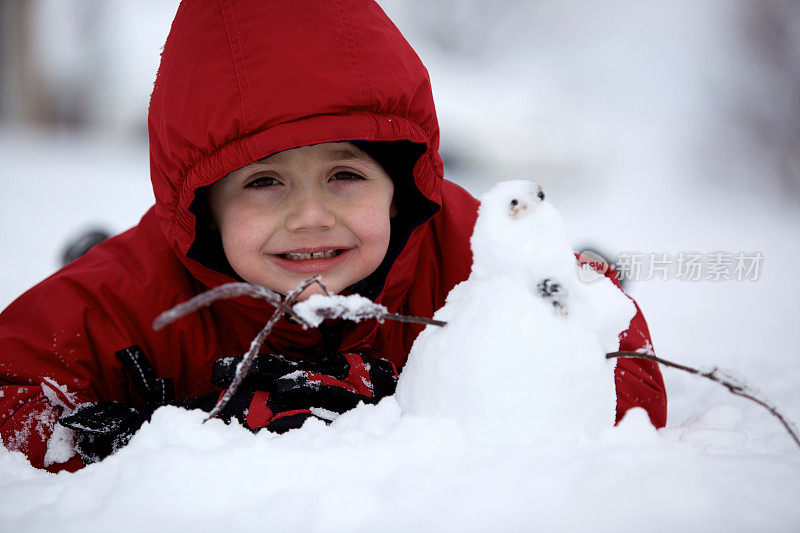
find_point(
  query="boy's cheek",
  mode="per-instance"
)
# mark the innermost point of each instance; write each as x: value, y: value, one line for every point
x: 236, y: 240
x: 376, y: 227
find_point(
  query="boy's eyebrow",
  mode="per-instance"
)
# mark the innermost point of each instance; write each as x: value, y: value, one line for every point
x: 343, y: 154
x: 339, y: 154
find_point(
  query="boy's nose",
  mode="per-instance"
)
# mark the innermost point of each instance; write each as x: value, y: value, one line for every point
x: 308, y: 211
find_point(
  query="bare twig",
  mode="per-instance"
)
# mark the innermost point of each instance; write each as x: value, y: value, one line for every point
x: 324, y: 288
x: 204, y: 299
x: 716, y: 375
x: 282, y: 306
x: 414, y: 319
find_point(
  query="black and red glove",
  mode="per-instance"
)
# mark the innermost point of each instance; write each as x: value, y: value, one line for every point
x: 101, y: 428
x: 279, y: 393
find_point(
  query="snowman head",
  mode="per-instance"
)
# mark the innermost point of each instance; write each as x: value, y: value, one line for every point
x: 509, y: 203
x: 517, y: 229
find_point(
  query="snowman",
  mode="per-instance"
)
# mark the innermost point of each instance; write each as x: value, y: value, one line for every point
x: 522, y: 358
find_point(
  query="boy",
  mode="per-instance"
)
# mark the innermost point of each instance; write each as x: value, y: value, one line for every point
x: 284, y: 142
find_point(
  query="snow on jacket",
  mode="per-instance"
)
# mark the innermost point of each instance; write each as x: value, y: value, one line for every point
x: 238, y: 81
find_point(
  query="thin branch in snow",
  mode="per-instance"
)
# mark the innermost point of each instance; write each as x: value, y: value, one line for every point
x: 409, y: 319
x: 735, y: 386
x: 324, y: 288
x: 331, y: 307
x: 204, y: 299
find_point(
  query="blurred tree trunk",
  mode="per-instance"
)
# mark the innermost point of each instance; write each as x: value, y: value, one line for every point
x: 21, y: 94
x: 771, y: 113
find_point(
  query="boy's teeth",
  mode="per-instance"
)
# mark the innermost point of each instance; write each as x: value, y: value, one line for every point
x: 305, y: 257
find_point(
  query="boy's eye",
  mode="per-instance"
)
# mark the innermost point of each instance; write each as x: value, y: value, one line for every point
x: 344, y: 175
x: 262, y: 181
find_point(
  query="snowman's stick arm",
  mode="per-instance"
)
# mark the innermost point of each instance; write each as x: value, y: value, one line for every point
x: 413, y: 319
x: 739, y: 389
x: 649, y: 357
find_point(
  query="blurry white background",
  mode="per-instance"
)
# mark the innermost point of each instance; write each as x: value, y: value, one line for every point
x: 655, y: 127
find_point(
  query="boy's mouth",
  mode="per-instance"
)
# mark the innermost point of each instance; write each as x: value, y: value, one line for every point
x: 306, y: 256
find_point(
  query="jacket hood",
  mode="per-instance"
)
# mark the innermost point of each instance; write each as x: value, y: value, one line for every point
x: 242, y: 79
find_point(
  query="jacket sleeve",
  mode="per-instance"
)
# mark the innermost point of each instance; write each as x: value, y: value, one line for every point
x: 638, y: 381
x: 51, y: 343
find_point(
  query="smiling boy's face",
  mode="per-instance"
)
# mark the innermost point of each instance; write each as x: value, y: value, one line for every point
x: 321, y: 209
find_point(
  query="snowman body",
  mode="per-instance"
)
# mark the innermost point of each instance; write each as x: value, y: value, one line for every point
x: 520, y: 360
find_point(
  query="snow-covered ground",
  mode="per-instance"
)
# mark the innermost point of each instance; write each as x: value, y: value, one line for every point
x: 623, y: 172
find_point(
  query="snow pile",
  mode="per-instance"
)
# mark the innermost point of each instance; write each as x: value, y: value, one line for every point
x: 376, y: 468
x: 523, y: 355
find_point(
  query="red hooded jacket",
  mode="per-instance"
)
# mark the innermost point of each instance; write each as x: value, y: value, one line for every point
x: 238, y: 81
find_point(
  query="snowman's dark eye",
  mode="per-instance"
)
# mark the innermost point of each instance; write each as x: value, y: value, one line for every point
x: 514, y: 202
x: 541, y: 195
